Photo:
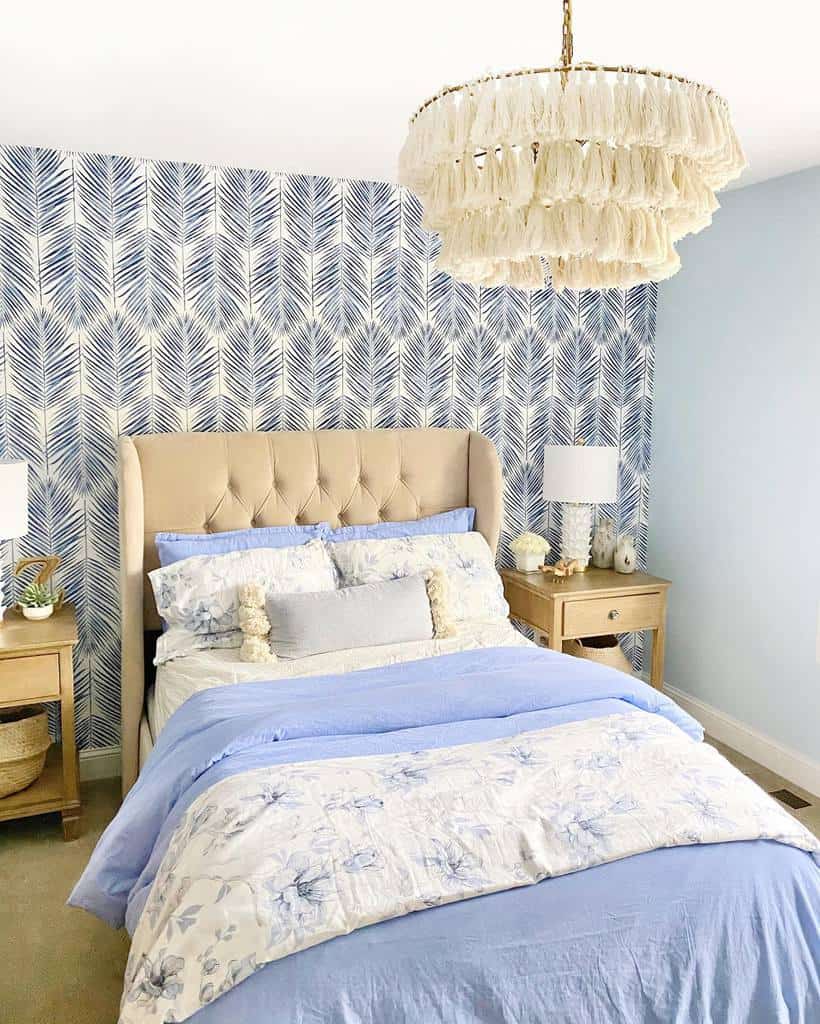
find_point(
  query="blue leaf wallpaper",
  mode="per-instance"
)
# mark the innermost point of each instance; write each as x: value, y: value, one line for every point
x: 144, y: 296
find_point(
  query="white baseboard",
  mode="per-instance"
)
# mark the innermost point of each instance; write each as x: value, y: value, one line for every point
x: 101, y: 763
x: 795, y: 767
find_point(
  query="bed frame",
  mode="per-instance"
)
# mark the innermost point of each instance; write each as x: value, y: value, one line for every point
x: 210, y: 482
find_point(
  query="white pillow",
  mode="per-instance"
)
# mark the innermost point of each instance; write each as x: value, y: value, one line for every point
x: 475, y: 588
x: 197, y: 597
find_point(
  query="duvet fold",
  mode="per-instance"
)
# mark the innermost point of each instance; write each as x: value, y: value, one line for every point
x: 276, y: 860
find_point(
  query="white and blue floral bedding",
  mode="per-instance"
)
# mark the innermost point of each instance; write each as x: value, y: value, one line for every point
x: 725, y: 932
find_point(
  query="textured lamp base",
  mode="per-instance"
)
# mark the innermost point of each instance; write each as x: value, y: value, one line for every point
x: 576, y: 528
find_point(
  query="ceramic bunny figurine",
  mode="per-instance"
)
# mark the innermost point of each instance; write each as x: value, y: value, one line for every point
x: 603, y: 544
x: 625, y: 555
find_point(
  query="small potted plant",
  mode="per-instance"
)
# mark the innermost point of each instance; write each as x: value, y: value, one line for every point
x: 530, y: 550
x: 37, y: 601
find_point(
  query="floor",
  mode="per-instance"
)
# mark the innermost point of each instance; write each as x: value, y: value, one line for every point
x: 83, y: 959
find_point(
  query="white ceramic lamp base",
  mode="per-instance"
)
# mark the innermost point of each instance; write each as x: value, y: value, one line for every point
x: 576, y: 530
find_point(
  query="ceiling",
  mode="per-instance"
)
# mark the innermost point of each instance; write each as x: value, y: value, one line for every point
x: 326, y: 87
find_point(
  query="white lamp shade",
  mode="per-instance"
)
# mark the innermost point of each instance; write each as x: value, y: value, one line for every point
x: 13, y: 498
x: 580, y: 473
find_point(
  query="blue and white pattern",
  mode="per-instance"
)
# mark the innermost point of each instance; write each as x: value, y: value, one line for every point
x: 296, y: 854
x: 151, y: 296
x: 198, y: 600
x: 474, y: 589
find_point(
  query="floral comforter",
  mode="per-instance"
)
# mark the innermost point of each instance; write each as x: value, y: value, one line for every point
x: 278, y: 859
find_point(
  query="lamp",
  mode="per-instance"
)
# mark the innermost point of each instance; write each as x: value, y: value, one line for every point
x: 13, y: 504
x: 579, y: 476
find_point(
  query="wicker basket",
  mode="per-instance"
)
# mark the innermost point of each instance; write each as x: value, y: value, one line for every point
x: 24, y: 741
x: 604, y: 649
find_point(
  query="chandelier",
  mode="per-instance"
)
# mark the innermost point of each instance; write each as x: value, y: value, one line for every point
x: 595, y: 170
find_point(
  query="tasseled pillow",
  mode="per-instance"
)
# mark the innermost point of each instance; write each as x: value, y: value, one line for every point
x: 438, y: 594
x: 255, y: 625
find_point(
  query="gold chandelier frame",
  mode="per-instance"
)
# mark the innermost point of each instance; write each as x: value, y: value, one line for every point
x: 564, y: 68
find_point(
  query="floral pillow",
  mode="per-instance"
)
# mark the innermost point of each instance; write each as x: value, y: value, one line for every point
x: 198, y: 597
x: 475, y: 588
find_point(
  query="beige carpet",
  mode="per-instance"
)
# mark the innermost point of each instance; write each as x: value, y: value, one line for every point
x: 62, y: 966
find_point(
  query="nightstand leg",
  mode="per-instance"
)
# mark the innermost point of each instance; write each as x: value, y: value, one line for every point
x: 71, y: 824
x: 71, y: 785
x: 656, y: 668
x: 556, y: 625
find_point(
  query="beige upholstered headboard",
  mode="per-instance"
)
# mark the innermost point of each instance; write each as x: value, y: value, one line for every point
x: 203, y: 482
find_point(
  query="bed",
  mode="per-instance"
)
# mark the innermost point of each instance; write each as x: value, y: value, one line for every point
x: 673, y: 891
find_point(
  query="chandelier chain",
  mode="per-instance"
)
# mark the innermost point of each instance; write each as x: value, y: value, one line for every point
x: 566, y: 38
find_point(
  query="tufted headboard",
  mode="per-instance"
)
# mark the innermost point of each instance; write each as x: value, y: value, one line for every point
x: 210, y: 482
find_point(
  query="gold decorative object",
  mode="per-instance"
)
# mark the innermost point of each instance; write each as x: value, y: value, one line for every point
x: 563, y: 569
x: 48, y: 566
x: 595, y: 169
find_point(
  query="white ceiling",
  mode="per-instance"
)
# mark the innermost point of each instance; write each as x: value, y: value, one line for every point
x: 327, y: 87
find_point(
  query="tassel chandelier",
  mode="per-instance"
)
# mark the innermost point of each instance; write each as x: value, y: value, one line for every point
x: 594, y: 170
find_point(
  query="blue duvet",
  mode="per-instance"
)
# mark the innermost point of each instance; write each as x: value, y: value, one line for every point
x: 727, y: 933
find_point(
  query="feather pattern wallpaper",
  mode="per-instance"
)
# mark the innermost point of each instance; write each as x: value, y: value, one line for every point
x: 142, y: 296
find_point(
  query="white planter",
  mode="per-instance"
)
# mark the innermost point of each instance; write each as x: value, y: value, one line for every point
x: 37, y: 614
x: 529, y: 561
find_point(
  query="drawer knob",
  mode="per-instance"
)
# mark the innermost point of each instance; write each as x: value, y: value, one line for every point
x: 614, y: 614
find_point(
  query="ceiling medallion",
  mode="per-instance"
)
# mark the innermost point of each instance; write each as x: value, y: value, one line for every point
x: 595, y: 170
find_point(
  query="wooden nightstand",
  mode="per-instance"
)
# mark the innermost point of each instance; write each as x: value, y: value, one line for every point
x: 36, y: 668
x: 591, y: 603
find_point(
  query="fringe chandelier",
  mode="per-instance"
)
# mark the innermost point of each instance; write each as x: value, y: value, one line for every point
x: 595, y: 170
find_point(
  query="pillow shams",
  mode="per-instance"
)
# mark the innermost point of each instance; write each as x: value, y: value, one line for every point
x: 173, y: 547
x: 475, y: 588
x: 198, y: 597
x: 388, y: 612
x: 459, y: 520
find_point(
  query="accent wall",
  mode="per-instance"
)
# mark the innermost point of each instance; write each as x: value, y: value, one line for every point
x: 154, y: 296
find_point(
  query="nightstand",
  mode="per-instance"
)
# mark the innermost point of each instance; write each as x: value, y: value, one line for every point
x: 36, y: 668
x: 591, y: 603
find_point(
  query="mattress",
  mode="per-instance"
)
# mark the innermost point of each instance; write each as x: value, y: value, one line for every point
x: 179, y: 679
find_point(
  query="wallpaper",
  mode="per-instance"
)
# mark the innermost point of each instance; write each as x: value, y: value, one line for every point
x: 152, y: 296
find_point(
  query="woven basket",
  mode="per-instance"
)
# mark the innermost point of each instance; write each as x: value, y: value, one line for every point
x: 24, y: 741
x: 604, y: 649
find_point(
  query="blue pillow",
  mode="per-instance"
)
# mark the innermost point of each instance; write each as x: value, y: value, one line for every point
x: 173, y: 547
x: 460, y: 520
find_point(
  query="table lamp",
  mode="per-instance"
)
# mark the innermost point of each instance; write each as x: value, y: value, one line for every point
x: 579, y: 475
x: 13, y: 504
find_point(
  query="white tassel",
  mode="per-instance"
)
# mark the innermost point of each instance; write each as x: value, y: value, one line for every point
x: 541, y: 230
x: 667, y: 194
x: 621, y: 175
x: 571, y: 115
x: 705, y: 142
x: 633, y: 128
x: 637, y: 194
x: 549, y: 125
x: 533, y: 99
x: 465, y: 116
x: 620, y: 114
x: 680, y: 119
x: 596, y: 179
x: 506, y: 176
x: 440, y: 202
x: 503, y: 126
x: 650, y: 112
x: 482, y: 133
x: 602, y: 126
x: 470, y: 183
x: 524, y: 187
x: 563, y: 168
x: 610, y: 232
x: 587, y: 98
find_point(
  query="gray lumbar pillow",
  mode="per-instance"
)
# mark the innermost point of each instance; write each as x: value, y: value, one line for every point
x: 389, y: 612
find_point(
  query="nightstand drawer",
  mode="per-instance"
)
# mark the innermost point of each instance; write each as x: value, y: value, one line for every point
x: 32, y: 677
x: 612, y: 615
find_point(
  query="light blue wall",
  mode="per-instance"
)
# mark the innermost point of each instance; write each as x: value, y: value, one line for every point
x: 734, y: 519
